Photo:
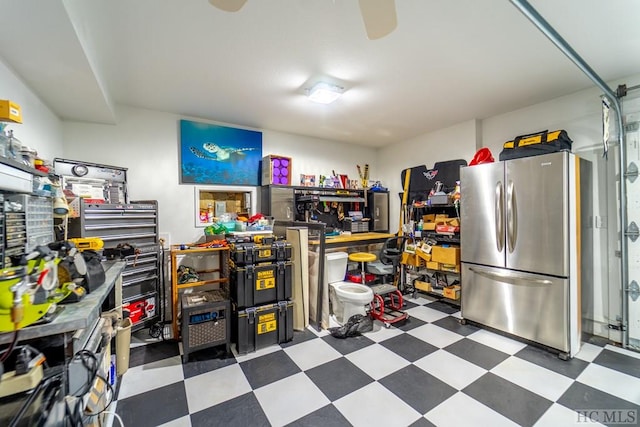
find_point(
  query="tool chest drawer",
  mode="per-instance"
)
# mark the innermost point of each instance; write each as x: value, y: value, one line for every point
x: 131, y: 223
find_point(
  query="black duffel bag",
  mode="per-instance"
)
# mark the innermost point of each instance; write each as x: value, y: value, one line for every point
x: 535, y: 144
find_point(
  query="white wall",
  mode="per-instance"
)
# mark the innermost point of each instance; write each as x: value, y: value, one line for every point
x: 147, y: 143
x: 455, y: 142
x: 40, y: 129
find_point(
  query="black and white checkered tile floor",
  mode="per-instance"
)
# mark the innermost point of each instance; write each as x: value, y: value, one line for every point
x: 430, y: 371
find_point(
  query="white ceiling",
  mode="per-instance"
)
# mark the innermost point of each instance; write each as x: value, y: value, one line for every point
x: 447, y: 62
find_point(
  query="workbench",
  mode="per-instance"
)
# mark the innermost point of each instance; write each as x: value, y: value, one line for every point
x: 76, y: 317
x: 355, y: 239
x: 77, y: 325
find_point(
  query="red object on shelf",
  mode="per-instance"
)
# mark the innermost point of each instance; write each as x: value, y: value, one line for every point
x: 447, y: 229
x: 141, y: 309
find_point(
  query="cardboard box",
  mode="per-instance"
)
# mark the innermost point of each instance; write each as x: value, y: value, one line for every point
x: 423, y: 286
x: 452, y: 268
x: 10, y: 111
x: 407, y: 258
x: 432, y: 265
x: 441, y: 217
x: 423, y: 255
x: 453, y: 221
x: 428, y: 218
x: 429, y: 226
x: 450, y: 255
x: 451, y: 292
x: 233, y: 206
x: 412, y: 259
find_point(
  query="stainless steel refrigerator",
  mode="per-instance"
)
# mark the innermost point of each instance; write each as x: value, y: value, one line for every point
x: 523, y: 242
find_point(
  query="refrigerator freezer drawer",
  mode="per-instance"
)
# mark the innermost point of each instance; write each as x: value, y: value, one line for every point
x: 529, y: 306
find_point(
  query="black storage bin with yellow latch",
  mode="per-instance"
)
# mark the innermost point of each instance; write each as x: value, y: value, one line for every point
x: 252, y: 285
x: 255, y: 328
x: 253, y: 253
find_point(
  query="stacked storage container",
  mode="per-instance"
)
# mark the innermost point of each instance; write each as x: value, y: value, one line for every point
x: 260, y: 290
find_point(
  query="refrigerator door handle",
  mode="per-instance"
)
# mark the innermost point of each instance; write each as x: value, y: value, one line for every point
x: 498, y: 207
x: 512, y: 218
x: 510, y: 276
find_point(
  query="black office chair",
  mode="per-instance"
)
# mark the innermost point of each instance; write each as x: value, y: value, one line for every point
x: 389, y: 257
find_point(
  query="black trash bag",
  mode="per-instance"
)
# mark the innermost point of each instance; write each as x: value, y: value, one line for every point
x: 356, y: 325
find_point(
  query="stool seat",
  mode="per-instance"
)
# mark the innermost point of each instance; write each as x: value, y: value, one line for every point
x: 362, y: 257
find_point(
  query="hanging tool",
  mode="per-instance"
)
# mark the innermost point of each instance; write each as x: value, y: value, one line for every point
x: 405, y: 197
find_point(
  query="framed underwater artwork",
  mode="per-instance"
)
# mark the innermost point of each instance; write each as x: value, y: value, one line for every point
x: 219, y: 155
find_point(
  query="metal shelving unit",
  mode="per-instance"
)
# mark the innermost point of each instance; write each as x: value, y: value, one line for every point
x: 217, y: 276
x: 437, y: 274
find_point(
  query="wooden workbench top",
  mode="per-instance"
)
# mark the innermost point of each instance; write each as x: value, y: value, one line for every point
x: 356, y: 237
x: 370, y: 237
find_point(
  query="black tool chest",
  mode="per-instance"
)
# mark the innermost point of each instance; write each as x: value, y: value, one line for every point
x: 252, y: 253
x: 205, y: 321
x: 258, y: 327
x: 259, y: 283
x: 260, y: 286
x: 133, y: 225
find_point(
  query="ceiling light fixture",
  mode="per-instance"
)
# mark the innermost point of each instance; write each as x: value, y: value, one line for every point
x: 325, y: 93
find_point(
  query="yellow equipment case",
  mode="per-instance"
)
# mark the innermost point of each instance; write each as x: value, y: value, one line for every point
x: 258, y: 327
x: 534, y: 144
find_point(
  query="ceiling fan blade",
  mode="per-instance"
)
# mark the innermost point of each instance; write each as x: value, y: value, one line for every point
x: 379, y: 17
x: 228, y: 5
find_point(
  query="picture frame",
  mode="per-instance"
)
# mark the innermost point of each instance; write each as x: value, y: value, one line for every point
x: 219, y: 155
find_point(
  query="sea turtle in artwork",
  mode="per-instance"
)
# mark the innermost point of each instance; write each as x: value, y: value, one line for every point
x: 215, y: 152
